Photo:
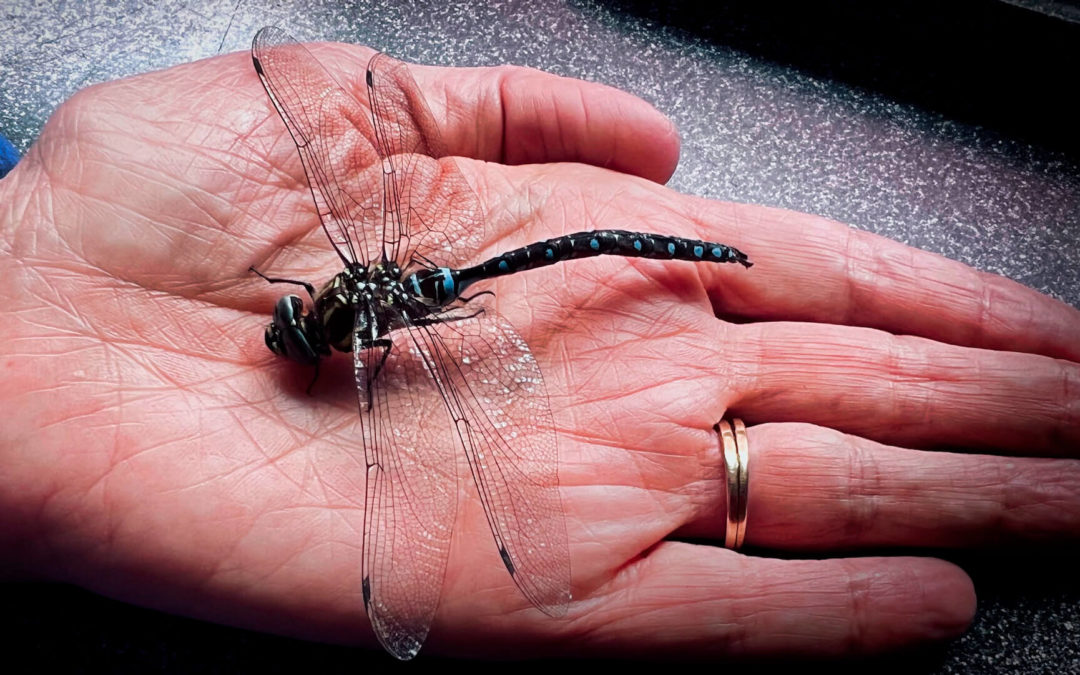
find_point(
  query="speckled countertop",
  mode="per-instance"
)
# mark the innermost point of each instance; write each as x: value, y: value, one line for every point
x: 947, y: 129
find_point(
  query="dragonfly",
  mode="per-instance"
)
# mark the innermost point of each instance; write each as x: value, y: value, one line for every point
x: 438, y: 370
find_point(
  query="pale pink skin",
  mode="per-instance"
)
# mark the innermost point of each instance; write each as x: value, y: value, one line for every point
x: 153, y: 450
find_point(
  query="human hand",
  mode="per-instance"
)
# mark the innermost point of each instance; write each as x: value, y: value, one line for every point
x: 154, y: 451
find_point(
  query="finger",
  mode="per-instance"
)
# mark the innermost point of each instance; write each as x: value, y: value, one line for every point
x: 516, y: 115
x: 905, y: 391
x: 813, y: 488
x: 809, y: 268
x: 698, y: 601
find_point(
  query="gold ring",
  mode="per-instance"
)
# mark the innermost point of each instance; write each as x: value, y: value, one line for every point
x: 736, y: 468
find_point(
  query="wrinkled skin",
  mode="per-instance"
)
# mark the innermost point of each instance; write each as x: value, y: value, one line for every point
x: 153, y: 450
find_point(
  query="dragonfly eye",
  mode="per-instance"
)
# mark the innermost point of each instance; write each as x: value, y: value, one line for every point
x: 274, y: 343
x: 291, y: 334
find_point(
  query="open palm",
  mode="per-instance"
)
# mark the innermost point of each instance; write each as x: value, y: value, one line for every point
x: 157, y: 452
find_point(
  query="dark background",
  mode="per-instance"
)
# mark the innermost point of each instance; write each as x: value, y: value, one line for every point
x: 943, y: 125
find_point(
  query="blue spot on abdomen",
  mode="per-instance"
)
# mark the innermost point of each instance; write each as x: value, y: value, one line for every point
x: 671, y: 248
x: 504, y: 266
x: 698, y: 250
x: 448, y: 283
x: 594, y: 244
x: 637, y: 244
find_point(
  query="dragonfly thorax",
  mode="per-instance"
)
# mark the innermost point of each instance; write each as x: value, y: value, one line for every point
x: 337, y: 302
x: 367, y: 301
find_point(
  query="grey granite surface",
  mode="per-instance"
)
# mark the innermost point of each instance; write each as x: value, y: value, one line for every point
x: 949, y: 130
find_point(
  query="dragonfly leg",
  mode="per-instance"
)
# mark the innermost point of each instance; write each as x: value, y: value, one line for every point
x: 316, y: 376
x: 470, y: 298
x: 273, y: 280
x: 386, y: 345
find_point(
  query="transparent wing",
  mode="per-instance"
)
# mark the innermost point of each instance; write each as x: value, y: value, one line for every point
x: 462, y: 379
x: 495, y: 394
x: 379, y: 174
x: 433, y: 214
x: 334, y: 136
x: 411, y: 492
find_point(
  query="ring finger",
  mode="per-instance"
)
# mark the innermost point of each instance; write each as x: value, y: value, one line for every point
x: 813, y: 488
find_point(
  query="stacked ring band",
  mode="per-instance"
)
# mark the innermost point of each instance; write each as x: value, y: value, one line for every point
x: 736, y: 469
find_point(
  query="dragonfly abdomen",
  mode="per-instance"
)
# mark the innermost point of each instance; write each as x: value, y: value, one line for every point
x: 590, y: 244
x: 442, y: 285
x: 603, y: 242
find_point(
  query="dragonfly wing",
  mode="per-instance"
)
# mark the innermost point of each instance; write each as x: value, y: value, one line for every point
x: 333, y: 133
x: 411, y: 491
x: 495, y: 394
x: 434, y: 215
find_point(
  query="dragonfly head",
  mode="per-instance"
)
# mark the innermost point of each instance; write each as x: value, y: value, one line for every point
x: 293, y: 334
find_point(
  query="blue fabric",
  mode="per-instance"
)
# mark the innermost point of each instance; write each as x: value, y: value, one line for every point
x: 8, y: 156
